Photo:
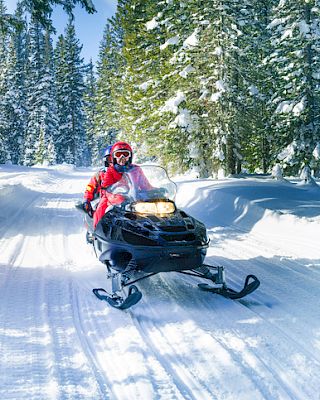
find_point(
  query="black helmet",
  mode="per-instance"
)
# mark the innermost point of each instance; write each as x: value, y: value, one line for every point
x: 107, y: 156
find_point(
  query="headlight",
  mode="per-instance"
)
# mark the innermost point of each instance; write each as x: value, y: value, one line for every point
x: 157, y: 207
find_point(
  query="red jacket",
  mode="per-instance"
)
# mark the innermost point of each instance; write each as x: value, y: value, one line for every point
x: 93, y: 188
x: 112, y: 176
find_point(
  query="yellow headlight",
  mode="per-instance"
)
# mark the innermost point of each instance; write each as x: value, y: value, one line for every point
x: 165, y: 207
x: 160, y: 207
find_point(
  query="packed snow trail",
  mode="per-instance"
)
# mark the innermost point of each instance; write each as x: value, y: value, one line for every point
x: 57, y: 341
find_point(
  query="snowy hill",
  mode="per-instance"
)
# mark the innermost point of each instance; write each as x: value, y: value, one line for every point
x: 57, y: 341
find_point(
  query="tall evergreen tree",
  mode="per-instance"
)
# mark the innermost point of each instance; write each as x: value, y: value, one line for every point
x: 4, y: 38
x: 296, y: 64
x: 109, y: 87
x: 90, y: 113
x: 15, y: 104
x: 42, y: 118
x: 71, y: 140
x: 259, y: 76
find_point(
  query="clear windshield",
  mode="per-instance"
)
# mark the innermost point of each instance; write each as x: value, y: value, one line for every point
x: 144, y: 183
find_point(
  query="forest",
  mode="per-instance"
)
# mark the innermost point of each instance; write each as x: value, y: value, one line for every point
x: 207, y: 86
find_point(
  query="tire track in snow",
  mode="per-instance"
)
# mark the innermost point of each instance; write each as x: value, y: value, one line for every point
x: 199, y: 307
x: 88, y: 347
x: 311, y: 360
x: 265, y: 269
x: 42, y: 355
x: 182, y: 380
x: 74, y: 371
x: 254, y: 360
x: 24, y: 337
x: 268, y: 298
x: 200, y: 368
x: 106, y: 338
x: 274, y: 351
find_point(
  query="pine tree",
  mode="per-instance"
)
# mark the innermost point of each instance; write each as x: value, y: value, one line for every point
x: 42, y: 117
x: 109, y: 87
x: 295, y: 101
x: 149, y: 45
x: 70, y: 91
x: 61, y: 66
x: 4, y: 38
x: 12, y: 104
x: 15, y: 107
x: 136, y: 102
x: 171, y: 119
x: 90, y: 113
x: 50, y: 118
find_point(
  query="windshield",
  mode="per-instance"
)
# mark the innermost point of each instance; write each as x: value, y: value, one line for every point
x: 145, y: 183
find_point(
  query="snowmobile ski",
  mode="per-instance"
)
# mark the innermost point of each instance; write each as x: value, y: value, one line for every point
x: 134, y: 296
x: 230, y: 293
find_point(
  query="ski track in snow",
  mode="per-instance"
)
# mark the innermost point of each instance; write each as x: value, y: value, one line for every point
x: 57, y: 341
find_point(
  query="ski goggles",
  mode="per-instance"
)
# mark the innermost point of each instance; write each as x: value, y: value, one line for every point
x: 122, y: 153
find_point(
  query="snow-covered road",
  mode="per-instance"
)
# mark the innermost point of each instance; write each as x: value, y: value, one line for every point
x: 57, y: 341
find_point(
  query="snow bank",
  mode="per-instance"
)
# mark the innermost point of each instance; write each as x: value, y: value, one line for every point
x: 276, y: 211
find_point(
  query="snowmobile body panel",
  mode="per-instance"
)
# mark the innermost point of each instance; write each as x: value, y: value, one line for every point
x: 150, y: 244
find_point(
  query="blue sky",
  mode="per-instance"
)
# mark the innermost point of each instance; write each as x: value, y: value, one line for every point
x: 89, y: 27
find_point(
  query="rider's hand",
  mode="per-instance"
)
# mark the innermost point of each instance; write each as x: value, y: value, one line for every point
x: 87, y: 207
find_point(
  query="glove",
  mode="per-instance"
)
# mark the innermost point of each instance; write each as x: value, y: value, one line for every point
x: 86, y: 205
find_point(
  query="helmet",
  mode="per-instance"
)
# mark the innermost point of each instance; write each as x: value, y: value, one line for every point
x: 106, y: 156
x: 119, y: 147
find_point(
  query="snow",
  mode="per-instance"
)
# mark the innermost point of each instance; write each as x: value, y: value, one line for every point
x: 183, y: 120
x: 299, y: 107
x: 253, y: 90
x: 304, y: 28
x: 218, y: 51
x: 316, y: 152
x: 58, y: 341
x: 152, y: 24
x: 285, y: 107
x: 145, y: 85
x: 192, y: 40
x: 170, y: 42
x: 288, y: 33
x: 184, y: 73
x: 277, y: 172
x: 221, y: 85
x: 287, y: 154
x: 172, y: 104
x: 215, y: 96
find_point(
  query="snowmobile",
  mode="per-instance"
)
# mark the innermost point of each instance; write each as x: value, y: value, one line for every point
x: 147, y: 234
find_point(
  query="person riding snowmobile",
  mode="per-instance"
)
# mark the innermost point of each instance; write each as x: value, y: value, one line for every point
x: 93, y: 188
x: 121, y: 161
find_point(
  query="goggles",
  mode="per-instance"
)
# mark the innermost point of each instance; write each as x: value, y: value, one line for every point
x: 122, y: 153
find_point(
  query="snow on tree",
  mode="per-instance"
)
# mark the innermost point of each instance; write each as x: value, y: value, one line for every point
x: 295, y: 59
x: 90, y: 112
x: 142, y: 91
x: 4, y: 38
x: 277, y: 172
x: 41, y: 101
x: 305, y: 174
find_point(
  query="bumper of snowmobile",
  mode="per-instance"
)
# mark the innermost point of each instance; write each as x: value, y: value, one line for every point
x: 152, y: 258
